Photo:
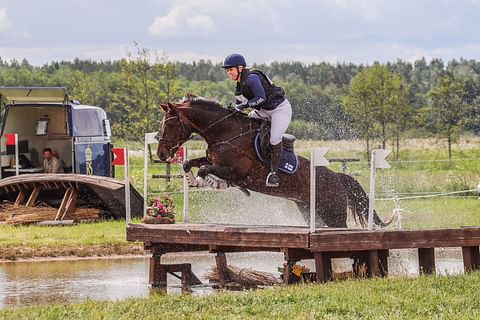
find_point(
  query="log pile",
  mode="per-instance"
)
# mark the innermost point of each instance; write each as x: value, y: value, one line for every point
x: 246, y: 277
x: 9, y: 214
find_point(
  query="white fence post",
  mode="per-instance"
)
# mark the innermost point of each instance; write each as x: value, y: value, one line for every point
x: 379, y: 161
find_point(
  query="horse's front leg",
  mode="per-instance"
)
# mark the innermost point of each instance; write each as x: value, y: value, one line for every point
x: 223, y: 172
x: 197, y: 163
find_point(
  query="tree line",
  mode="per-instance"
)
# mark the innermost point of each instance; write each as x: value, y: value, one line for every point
x: 379, y: 103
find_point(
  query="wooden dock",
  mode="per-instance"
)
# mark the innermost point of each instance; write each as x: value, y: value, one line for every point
x: 367, y: 248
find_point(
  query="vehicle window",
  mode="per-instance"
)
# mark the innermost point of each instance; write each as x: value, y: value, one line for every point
x: 87, y: 122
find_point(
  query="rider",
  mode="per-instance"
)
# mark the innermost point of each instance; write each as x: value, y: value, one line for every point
x: 255, y: 90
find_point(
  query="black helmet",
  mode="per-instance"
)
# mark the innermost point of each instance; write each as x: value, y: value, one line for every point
x: 234, y: 60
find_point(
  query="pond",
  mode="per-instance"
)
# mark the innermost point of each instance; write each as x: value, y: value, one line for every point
x: 65, y: 281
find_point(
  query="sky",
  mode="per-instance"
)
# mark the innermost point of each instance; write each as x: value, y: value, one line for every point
x: 357, y: 31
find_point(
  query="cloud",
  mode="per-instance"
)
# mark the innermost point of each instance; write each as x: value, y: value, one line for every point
x: 182, y: 21
x: 5, y: 23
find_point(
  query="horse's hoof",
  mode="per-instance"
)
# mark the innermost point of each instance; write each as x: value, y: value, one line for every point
x: 187, y: 166
x: 245, y: 191
x: 202, y: 172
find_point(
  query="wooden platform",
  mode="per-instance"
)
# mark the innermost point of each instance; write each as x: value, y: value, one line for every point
x: 96, y: 191
x: 367, y: 248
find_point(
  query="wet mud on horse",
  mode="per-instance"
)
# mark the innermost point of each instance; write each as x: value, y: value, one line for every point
x: 230, y: 156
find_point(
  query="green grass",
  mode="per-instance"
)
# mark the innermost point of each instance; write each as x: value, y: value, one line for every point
x: 446, y: 297
x: 93, y: 239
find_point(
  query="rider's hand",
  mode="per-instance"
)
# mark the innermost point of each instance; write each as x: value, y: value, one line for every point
x: 239, y: 107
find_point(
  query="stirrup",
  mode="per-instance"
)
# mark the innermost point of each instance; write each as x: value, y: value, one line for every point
x: 272, y: 180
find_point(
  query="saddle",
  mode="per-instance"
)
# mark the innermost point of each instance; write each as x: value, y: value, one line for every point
x: 261, y: 143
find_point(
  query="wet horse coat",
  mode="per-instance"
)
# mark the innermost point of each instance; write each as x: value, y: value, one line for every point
x: 231, y: 156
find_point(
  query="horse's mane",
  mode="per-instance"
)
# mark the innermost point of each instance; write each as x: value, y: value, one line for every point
x: 197, y: 100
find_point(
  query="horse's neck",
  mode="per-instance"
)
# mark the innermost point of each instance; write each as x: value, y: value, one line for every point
x: 216, y: 126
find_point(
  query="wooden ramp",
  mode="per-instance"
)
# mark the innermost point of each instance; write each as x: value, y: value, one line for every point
x: 369, y: 249
x: 70, y: 190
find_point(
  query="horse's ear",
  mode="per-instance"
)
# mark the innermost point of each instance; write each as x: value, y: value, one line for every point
x: 164, y: 106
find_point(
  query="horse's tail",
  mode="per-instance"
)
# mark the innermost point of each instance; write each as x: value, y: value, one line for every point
x: 358, y: 202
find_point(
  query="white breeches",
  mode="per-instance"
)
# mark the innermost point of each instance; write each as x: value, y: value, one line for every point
x: 280, y: 119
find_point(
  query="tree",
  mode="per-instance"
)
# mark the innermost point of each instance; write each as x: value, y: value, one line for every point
x: 370, y: 103
x: 446, y: 114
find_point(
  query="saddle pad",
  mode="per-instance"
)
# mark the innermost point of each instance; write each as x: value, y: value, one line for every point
x: 288, y: 163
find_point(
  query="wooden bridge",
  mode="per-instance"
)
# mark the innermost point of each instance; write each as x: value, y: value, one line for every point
x: 370, y: 248
x: 69, y: 190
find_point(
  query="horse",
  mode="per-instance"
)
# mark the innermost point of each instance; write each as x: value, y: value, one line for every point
x: 230, y: 155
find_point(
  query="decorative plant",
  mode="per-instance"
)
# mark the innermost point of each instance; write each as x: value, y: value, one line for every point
x: 161, y: 210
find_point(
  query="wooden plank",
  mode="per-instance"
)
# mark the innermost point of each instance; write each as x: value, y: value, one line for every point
x: 471, y: 258
x: 426, y: 260
x: 381, y: 240
x: 71, y: 203
x: 63, y: 204
x: 33, y: 197
x: 20, y: 198
x: 266, y: 237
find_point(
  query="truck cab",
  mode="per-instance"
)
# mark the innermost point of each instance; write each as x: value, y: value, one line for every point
x: 45, y: 117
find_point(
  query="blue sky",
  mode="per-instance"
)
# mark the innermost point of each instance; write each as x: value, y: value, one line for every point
x: 359, y: 31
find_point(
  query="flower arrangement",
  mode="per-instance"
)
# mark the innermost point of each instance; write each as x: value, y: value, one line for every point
x: 160, y: 211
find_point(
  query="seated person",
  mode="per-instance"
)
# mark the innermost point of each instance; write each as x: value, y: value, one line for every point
x: 51, y: 162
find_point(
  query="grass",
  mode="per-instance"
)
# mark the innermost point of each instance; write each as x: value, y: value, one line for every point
x: 425, y: 297
x: 94, y: 239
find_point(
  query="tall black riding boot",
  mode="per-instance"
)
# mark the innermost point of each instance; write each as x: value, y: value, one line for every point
x: 275, y: 156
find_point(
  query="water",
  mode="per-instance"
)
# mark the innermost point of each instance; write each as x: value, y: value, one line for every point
x: 66, y: 281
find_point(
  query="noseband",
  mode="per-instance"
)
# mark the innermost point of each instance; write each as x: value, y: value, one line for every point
x: 183, y: 129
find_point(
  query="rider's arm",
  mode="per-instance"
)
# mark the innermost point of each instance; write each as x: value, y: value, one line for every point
x: 259, y: 96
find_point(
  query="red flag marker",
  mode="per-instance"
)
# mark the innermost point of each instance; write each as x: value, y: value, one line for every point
x: 179, y: 156
x: 118, y: 156
x: 10, y: 139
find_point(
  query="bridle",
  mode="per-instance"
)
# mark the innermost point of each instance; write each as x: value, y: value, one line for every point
x: 183, y: 129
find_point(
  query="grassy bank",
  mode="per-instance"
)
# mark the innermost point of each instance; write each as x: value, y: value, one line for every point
x: 448, y: 297
x: 93, y: 239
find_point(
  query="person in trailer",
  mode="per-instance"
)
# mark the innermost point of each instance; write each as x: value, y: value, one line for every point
x: 51, y: 162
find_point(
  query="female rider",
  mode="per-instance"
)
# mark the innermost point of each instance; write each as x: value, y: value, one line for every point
x: 255, y: 90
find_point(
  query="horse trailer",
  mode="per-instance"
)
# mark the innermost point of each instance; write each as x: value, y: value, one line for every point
x: 45, y: 117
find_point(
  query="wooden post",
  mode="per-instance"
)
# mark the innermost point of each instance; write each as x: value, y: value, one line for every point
x: 222, y: 268
x: 471, y: 258
x: 373, y: 269
x: 383, y: 258
x: 157, y: 274
x: 323, y: 266
x: 426, y: 260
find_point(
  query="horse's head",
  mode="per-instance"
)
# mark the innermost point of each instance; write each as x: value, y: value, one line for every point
x: 172, y: 134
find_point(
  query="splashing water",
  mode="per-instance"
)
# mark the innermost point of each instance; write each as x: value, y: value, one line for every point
x: 232, y: 206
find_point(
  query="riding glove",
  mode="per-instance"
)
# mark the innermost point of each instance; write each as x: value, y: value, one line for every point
x: 239, y: 107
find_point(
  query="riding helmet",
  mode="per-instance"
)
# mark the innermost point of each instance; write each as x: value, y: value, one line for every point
x: 234, y: 60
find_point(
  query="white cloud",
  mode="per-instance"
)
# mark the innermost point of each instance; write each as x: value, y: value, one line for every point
x: 5, y: 23
x: 182, y: 21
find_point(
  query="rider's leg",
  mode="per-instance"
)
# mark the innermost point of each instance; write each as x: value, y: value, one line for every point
x: 280, y: 118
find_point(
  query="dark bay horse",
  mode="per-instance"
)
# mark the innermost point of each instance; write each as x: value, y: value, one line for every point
x: 231, y: 156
